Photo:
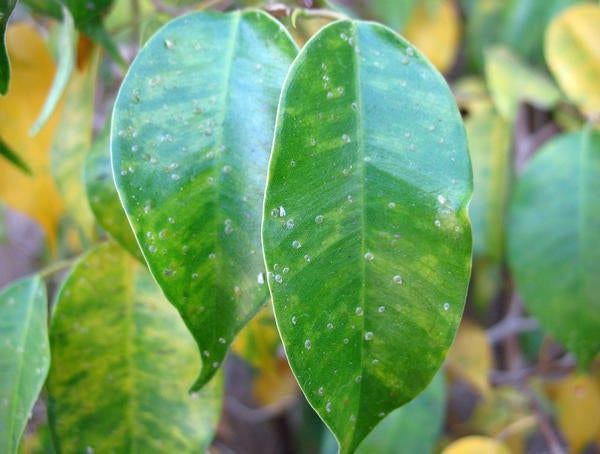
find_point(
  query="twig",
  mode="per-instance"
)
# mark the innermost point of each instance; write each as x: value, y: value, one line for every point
x: 509, y: 326
x: 56, y: 267
x: 518, y: 426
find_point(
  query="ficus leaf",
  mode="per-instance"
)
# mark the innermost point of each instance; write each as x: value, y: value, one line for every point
x: 122, y: 361
x: 366, y: 236
x: 191, y: 132
x: 24, y: 356
x: 6, y: 9
x: 553, y: 235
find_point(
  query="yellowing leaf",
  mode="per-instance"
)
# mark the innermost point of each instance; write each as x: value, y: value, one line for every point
x: 435, y: 32
x: 476, y: 445
x: 572, y: 51
x: 577, y: 399
x: 276, y: 386
x: 470, y: 357
x: 32, y: 74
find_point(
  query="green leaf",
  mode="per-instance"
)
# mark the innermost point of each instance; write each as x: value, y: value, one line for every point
x: 103, y: 197
x: 366, y: 235
x: 121, y: 364
x: 554, y: 240
x: 394, y: 13
x: 191, y: 133
x: 67, y: 42
x: 573, y: 56
x: 72, y: 141
x: 511, y: 81
x: 88, y: 16
x: 411, y: 429
x: 6, y: 9
x: 13, y: 157
x: 24, y: 356
x: 490, y: 146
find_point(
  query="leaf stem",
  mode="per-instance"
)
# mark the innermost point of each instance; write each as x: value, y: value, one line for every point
x: 56, y: 267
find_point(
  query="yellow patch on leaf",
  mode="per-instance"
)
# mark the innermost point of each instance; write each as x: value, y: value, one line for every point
x: 435, y: 32
x: 476, y: 445
x: 470, y: 357
x: 572, y: 51
x: 32, y: 74
x: 577, y: 400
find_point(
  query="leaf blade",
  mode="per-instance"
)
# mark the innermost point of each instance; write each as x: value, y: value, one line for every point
x: 122, y: 362
x: 339, y: 242
x: 201, y: 164
x: 24, y: 356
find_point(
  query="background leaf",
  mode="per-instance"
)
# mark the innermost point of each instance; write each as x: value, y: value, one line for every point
x: 573, y: 54
x: 72, y: 142
x: 122, y: 361
x: 24, y: 356
x: 554, y: 240
x: 6, y: 9
x: 14, y: 158
x: 191, y: 133
x: 475, y: 444
x: 366, y: 237
x: 103, y: 197
x: 33, y: 71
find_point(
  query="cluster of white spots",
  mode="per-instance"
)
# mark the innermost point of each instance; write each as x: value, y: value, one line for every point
x: 307, y: 344
x: 170, y: 220
x: 313, y: 141
x: 237, y: 290
x: 290, y: 224
x: 135, y: 148
x: 169, y: 44
x: 292, y: 163
x: 215, y: 364
x: 212, y: 255
x: 228, y: 227
x: 368, y: 335
x: 175, y: 176
x: 321, y: 391
x: 294, y: 320
x: 194, y: 275
x: 437, y: 223
x: 375, y: 362
x: 431, y: 127
x: 446, y: 306
x: 154, y: 81
x: 227, y: 169
x: 222, y: 340
x: 358, y: 379
x: 329, y: 325
x: 346, y: 341
x: 369, y: 256
x: 206, y: 353
x: 282, y: 212
x: 152, y: 248
x: 354, y: 106
x: 441, y: 199
x: 359, y: 311
x: 349, y: 198
x: 352, y: 418
x: 346, y: 138
x: 307, y: 258
x: 391, y: 205
x: 328, y: 407
x: 279, y: 278
x: 397, y: 279
x: 260, y: 278
x: 381, y: 309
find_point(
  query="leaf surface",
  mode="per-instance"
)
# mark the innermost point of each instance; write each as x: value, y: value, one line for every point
x: 365, y: 231
x: 102, y: 194
x: 122, y: 361
x: 24, y: 356
x: 554, y: 240
x: 6, y: 9
x: 573, y: 54
x: 191, y: 132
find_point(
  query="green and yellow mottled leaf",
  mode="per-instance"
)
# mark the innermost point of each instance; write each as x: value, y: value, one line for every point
x: 366, y: 237
x: 553, y: 237
x: 191, y: 136
x: 572, y: 51
x: 122, y: 362
x: 24, y: 356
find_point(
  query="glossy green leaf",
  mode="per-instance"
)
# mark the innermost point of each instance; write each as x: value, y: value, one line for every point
x: 24, y: 356
x: 490, y: 146
x: 191, y: 133
x: 411, y: 429
x: 511, y: 81
x: 8, y: 153
x: 573, y: 54
x: 122, y: 361
x: 72, y: 140
x: 67, y: 43
x: 554, y: 240
x: 51, y: 8
x: 88, y: 16
x: 6, y: 9
x: 103, y: 197
x: 365, y: 231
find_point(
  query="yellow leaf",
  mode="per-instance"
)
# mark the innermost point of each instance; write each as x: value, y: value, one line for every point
x: 32, y: 74
x: 577, y: 400
x: 276, y: 386
x: 470, y: 357
x: 258, y: 342
x: 436, y: 32
x: 476, y: 445
x: 572, y: 51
